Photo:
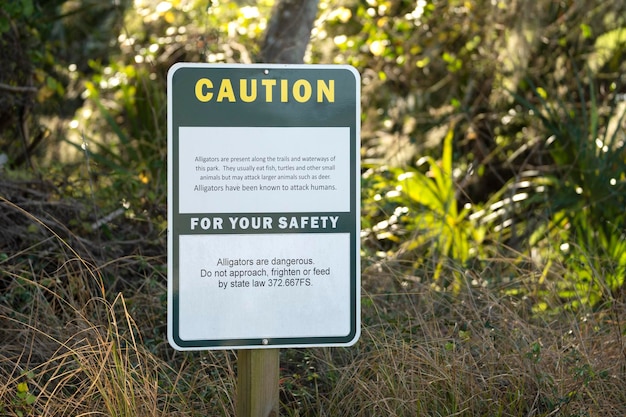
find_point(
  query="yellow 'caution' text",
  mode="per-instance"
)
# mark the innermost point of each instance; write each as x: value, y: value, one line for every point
x: 267, y: 90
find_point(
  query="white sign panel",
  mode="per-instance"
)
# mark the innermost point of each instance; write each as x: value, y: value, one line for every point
x: 260, y: 169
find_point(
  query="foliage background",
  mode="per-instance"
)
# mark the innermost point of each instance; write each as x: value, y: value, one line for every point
x: 493, y: 184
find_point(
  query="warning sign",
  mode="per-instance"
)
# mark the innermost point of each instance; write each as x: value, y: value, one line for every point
x: 263, y: 207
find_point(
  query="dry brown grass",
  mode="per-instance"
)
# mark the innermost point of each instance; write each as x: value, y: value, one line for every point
x: 476, y: 355
x: 93, y: 361
x: 71, y: 346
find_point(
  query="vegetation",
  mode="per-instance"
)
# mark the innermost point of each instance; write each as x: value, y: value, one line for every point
x: 493, y: 182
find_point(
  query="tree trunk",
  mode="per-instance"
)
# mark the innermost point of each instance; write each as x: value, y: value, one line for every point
x: 289, y: 31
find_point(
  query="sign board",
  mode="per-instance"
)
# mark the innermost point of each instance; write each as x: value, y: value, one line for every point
x: 263, y: 206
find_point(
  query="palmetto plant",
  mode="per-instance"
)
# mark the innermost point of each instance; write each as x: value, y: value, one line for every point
x: 585, y: 193
x: 427, y: 222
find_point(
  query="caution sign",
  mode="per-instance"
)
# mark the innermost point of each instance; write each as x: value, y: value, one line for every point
x: 263, y: 206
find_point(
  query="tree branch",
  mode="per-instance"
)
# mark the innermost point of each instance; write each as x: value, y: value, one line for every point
x: 17, y: 90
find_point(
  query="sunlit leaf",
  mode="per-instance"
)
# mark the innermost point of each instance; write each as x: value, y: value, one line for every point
x: 421, y: 63
x: 606, y: 46
x: 377, y: 47
x: 169, y: 17
x: 586, y: 31
x: 542, y: 93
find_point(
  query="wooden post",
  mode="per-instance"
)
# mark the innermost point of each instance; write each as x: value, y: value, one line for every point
x: 257, y: 382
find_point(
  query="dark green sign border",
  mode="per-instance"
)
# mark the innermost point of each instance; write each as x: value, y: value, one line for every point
x: 297, y: 100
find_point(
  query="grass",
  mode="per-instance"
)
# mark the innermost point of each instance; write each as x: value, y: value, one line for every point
x: 82, y: 329
x: 479, y: 355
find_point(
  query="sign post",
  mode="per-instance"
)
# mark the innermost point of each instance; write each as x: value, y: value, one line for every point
x: 263, y: 207
x: 257, y: 382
